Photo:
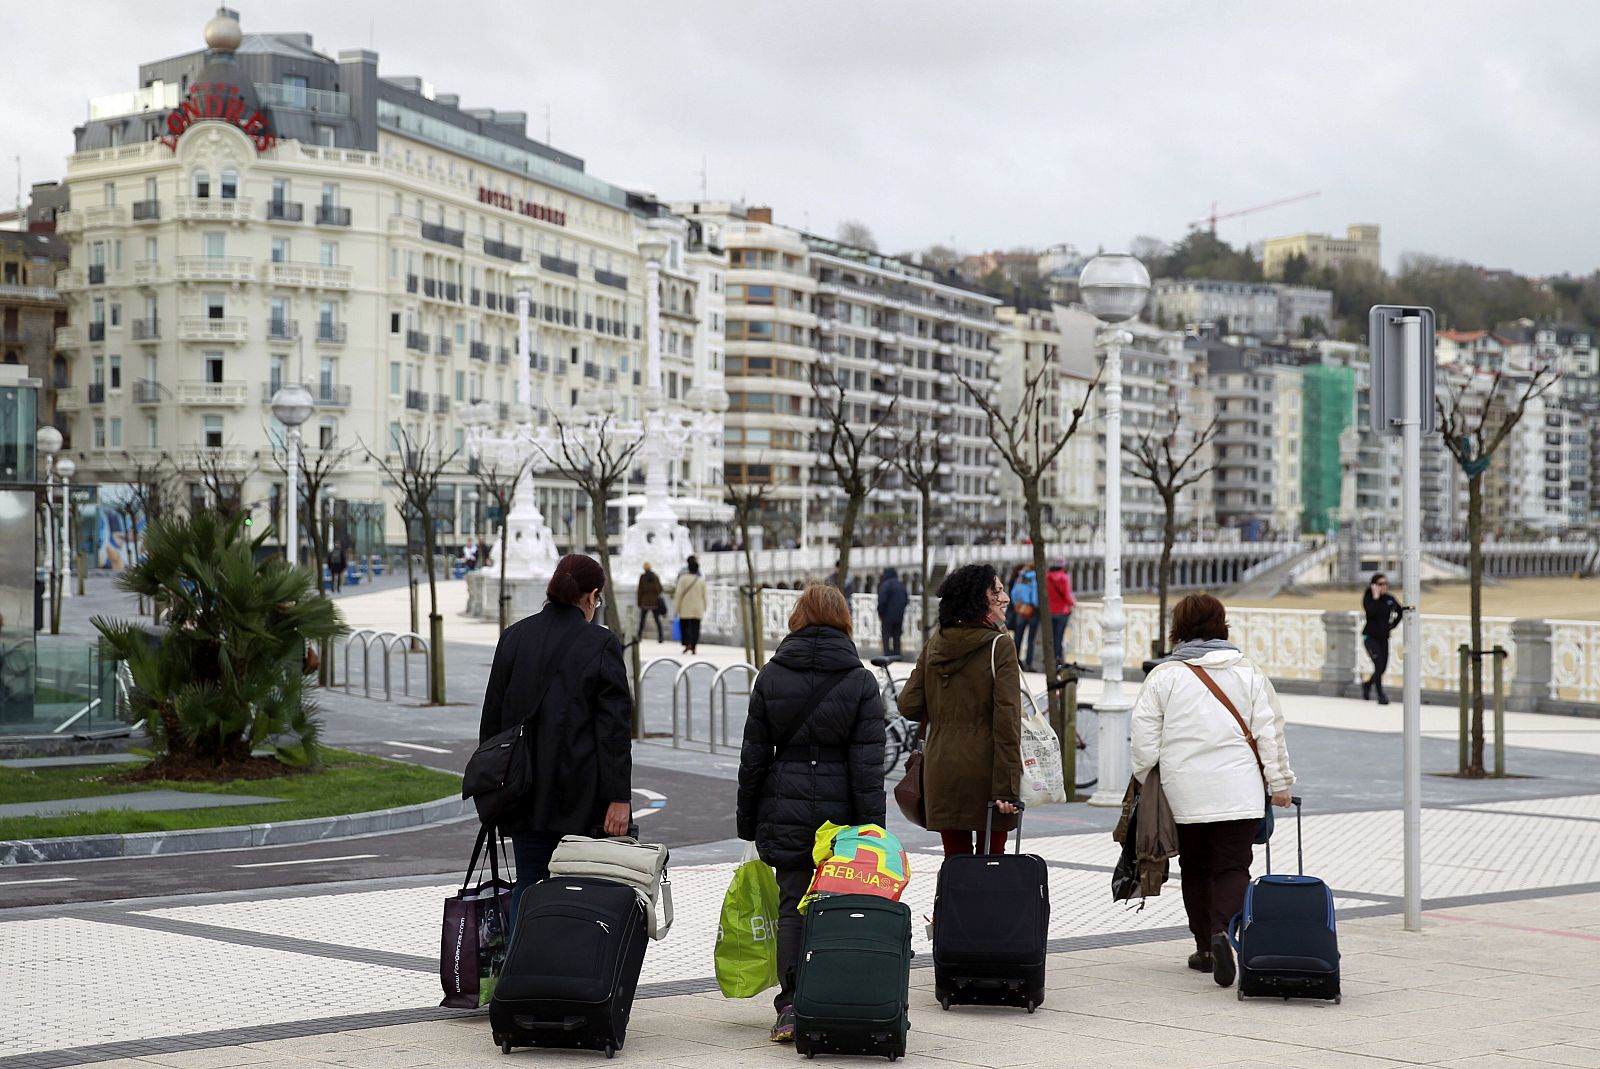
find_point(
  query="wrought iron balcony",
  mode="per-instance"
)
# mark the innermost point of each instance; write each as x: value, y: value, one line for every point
x: 285, y: 211
x: 332, y: 215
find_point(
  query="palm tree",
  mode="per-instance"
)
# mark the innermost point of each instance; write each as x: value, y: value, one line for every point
x: 227, y: 677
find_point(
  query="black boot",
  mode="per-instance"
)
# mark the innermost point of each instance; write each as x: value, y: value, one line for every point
x: 1383, y: 699
x: 1366, y: 690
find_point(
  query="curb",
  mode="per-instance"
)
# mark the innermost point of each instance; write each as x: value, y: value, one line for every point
x: 241, y: 837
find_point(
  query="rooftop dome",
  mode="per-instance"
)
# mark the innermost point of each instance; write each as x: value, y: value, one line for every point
x: 223, y: 33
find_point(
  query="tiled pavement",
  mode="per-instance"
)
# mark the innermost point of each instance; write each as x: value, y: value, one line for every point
x: 1514, y: 897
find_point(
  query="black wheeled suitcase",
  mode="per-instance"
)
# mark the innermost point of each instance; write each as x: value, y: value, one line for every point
x: 991, y: 915
x: 852, y: 983
x: 572, y: 967
x: 1285, y: 937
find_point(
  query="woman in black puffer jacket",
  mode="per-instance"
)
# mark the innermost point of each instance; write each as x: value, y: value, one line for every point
x: 813, y: 752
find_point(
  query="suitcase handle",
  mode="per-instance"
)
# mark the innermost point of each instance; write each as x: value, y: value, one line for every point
x: 988, y: 825
x: 1299, y: 839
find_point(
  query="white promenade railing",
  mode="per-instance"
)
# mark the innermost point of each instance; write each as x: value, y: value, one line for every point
x: 1575, y: 660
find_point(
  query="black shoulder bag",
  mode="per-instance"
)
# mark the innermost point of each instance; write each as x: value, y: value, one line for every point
x: 499, y: 774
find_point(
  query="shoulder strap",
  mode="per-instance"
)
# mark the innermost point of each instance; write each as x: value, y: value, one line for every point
x: 1211, y: 685
x: 992, y: 673
x: 823, y: 688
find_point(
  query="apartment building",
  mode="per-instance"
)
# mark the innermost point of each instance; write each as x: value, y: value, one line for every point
x: 31, y: 309
x: 883, y: 328
x: 1258, y: 398
x: 258, y: 213
x: 1262, y: 309
x: 1360, y: 244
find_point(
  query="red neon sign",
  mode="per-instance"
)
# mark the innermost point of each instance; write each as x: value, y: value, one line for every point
x: 219, y: 102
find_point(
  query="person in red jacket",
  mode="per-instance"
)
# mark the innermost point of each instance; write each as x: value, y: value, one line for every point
x: 1059, y: 584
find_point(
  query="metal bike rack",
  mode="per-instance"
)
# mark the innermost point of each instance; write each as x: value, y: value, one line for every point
x: 644, y: 672
x: 403, y: 640
x: 350, y: 640
x: 688, y: 707
x: 721, y: 680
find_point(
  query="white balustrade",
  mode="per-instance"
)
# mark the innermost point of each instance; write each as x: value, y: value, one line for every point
x: 1575, y: 660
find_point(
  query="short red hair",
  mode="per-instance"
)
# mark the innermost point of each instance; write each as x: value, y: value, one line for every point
x: 822, y: 605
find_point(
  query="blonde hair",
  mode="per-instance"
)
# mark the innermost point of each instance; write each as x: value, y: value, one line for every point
x: 822, y: 605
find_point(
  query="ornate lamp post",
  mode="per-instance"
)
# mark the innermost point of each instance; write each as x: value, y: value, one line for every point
x: 1114, y: 288
x: 49, y: 442
x: 66, y: 468
x: 291, y: 406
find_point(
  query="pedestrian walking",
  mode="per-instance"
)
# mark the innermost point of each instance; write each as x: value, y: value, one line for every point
x: 649, y: 602
x: 892, y: 600
x: 1383, y: 614
x: 1058, y: 585
x: 336, y: 566
x: 813, y: 752
x: 1210, y: 719
x: 469, y: 554
x: 1011, y: 609
x: 966, y: 691
x: 565, y: 681
x: 1025, y: 606
x: 690, y: 596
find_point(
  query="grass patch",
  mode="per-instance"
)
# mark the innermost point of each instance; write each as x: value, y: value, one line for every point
x: 346, y: 783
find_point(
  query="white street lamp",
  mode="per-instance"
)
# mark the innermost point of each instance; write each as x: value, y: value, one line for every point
x: 66, y: 469
x: 292, y: 405
x: 1114, y: 288
x: 49, y: 442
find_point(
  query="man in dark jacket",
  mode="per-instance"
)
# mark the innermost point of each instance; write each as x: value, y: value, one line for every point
x: 566, y: 680
x: 813, y: 752
x: 649, y: 602
x: 892, y: 599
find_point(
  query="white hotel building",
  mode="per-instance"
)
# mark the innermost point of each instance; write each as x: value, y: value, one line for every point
x: 259, y: 213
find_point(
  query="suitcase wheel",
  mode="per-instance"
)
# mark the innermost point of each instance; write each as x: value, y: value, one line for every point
x: 611, y: 1052
x: 811, y: 1054
x: 1031, y: 1005
x: 944, y: 1002
x: 1239, y: 993
x: 893, y: 1057
x: 505, y: 1046
x: 1337, y: 999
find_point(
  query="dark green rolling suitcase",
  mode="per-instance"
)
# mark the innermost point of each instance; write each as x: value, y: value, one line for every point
x: 853, y: 978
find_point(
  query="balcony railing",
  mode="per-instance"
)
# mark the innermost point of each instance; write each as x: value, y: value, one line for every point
x: 145, y: 211
x: 416, y: 341
x: 215, y: 209
x: 303, y: 98
x: 207, y: 328
x: 444, y: 235
x: 97, y: 331
x: 148, y: 329
x: 97, y: 393
x: 284, y: 211
x: 451, y: 291
x: 214, y: 269
x: 97, y: 274
x: 478, y: 350
x: 411, y: 283
x: 146, y: 272
x: 430, y: 287
x: 615, y: 281
x: 475, y: 297
x: 442, y: 346
x: 332, y: 333
x: 314, y: 276
x: 417, y: 400
x: 441, y: 404
x: 202, y: 392
x: 333, y: 394
x: 503, y: 356
x: 146, y: 392
x: 558, y: 265
x: 332, y: 215
x: 68, y: 399
x: 283, y: 329
x: 501, y: 250
x: 69, y: 337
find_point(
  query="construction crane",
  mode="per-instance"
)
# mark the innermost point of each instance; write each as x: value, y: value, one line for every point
x: 1212, y: 219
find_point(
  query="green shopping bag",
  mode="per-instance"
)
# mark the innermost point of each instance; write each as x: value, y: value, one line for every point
x: 747, y: 935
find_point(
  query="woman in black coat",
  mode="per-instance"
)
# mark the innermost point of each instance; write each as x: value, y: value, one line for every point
x: 1383, y: 616
x: 567, y: 680
x: 813, y: 752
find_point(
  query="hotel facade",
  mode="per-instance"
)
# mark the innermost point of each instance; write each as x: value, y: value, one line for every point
x: 258, y: 213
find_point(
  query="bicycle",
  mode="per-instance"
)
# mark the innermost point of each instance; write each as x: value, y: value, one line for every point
x: 899, y: 734
x: 1087, y: 765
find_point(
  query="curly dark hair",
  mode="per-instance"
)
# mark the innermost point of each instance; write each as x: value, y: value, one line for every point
x: 964, y: 595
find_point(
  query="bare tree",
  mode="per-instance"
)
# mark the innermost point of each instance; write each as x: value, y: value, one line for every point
x: 223, y: 481
x: 316, y: 467
x: 596, y: 457
x: 152, y: 495
x: 847, y: 450
x: 748, y: 499
x: 855, y: 232
x: 923, y: 460
x: 416, y: 472
x: 1473, y: 440
x: 1028, y: 446
x: 498, y: 472
x: 1165, y: 465
x: 408, y: 520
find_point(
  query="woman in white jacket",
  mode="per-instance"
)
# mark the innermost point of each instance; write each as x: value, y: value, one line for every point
x: 1212, y: 774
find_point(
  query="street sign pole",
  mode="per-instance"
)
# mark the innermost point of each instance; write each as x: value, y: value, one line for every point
x: 1416, y: 404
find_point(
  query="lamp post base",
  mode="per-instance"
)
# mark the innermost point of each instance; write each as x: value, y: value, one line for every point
x: 1112, y: 746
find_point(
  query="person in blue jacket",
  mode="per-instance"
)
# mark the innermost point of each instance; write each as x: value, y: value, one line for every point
x: 892, y: 600
x: 1025, y: 603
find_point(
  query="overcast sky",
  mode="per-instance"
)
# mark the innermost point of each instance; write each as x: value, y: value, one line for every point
x: 1466, y: 129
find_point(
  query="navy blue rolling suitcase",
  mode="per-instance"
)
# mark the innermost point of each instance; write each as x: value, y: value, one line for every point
x: 1284, y: 936
x: 991, y: 915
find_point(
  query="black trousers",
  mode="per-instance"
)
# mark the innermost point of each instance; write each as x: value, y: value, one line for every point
x: 1215, y: 859
x: 891, y: 637
x: 645, y: 614
x: 1378, y: 650
x: 533, y: 851
x: 690, y: 629
x: 792, y: 884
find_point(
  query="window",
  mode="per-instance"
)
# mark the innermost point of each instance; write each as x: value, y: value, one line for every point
x: 327, y: 434
x: 211, y: 432
x: 214, y: 244
x: 116, y: 314
x: 152, y: 433
x: 296, y: 86
x: 230, y: 185
x: 277, y: 364
x: 215, y: 306
x: 395, y: 437
x: 758, y: 295
x: 99, y: 433
x: 330, y: 192
x: 330, y: 253
x: 200, y: 182
x: 394, y: 377
x: 324, y: 135
x: 116, y: 432
x: 280, y: 250
x: 280, y: 190
x: 116, y: 373
x: 213, y: 366
x: 110, y: 191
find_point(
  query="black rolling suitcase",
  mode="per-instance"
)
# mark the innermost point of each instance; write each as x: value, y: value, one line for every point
x: 991, y: 915
x: 572, y: 967
x: 1285, y: 936
x: 852, y: 983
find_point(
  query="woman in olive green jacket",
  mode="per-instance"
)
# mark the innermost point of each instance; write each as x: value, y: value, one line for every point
x: 967, y: 691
